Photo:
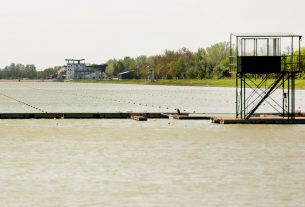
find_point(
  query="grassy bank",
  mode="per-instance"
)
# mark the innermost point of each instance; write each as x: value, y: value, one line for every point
x: 185, y: 82
x: 300, y: 84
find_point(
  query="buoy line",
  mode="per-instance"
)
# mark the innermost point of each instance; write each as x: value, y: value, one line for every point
x: 107, y: 99
x: 22, y: 102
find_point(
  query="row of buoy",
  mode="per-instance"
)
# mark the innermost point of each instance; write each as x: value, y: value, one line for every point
x: 130, y: 102
x: 115, y: 100
x: 172, y: 96
x: 22, y: 102
x: 111, y: 100
x: 149, y: 94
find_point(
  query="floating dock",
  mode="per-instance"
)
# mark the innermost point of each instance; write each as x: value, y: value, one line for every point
x: 269, y: 119
x: 258, y: 120
x: 127, y: 115
x: 81, y: 115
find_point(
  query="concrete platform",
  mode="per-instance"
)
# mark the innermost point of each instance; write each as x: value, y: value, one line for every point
x: 258, y: 120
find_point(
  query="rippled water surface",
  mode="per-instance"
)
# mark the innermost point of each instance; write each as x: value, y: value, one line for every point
x: 154, y: 163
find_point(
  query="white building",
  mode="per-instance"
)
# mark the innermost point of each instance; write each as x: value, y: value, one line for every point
x: 77, y: 69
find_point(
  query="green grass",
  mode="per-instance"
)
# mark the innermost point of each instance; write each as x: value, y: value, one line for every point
x: 300, y: 84
x: 184, y: 82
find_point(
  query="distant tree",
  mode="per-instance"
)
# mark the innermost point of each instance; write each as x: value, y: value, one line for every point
x: 118, y: 67
x: 48, y: 72
x: 216, y: 54
x: 110, y: 67
x: 201, y: 63
x: 18, y: 71
x: 141, y: 64
x: 30, y: 71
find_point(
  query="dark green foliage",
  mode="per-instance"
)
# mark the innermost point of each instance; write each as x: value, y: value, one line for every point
x: 18, y: 71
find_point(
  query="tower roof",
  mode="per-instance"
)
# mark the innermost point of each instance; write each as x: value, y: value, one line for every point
x: 265, y: 35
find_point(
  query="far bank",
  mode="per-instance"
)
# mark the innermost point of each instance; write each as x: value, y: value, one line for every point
x: 300, y: 84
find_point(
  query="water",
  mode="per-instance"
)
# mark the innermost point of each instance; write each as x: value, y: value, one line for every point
x: 72, y: 97
x: 154, y: 163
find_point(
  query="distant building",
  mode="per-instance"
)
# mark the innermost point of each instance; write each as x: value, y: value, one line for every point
x: 77, y: 69
x: 126, y: 75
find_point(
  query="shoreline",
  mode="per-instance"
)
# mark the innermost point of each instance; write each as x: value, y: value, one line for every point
x: 228, y: 83
x: 300, y: 84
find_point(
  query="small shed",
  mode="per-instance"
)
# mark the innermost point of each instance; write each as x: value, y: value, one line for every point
x: 126, y: 75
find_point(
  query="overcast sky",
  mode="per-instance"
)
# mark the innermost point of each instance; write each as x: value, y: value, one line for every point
x: 45, y: 32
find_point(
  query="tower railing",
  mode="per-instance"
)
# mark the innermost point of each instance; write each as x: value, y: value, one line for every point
x: 294, y: 63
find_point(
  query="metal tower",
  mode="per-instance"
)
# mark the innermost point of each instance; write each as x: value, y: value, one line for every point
x: 264, y: 63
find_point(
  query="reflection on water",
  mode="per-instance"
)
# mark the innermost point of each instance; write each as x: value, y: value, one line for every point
x: 153, y: 163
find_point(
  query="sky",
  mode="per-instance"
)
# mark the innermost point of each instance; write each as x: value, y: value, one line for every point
x: 46, y: 32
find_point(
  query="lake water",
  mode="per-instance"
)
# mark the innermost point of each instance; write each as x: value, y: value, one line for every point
x: 73, y: 97
x: 154, y: 163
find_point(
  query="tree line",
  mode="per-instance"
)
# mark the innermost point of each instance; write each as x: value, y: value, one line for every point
x: 29, y: 71
x: 212, y: 62
x: 18, y: 71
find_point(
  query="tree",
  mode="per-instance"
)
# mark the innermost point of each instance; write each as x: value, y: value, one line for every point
x: 141, y: 64
x: 18, y: 71
x: 110, y: 67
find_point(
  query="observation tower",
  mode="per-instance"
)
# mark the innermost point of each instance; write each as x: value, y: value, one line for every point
x: 262, y: 64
